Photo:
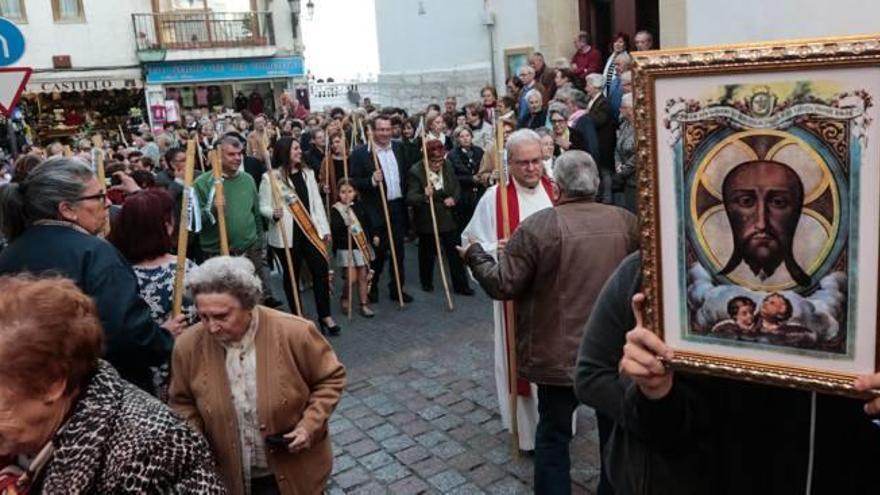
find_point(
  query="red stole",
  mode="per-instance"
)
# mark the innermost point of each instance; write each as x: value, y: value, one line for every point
x: 522, y: 386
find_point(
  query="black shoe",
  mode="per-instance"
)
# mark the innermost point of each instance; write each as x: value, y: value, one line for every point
x: 328, y: 330
x: 272, y: 302
x: 406, y: 297
x: 467, y: 291
x: 427, y: 288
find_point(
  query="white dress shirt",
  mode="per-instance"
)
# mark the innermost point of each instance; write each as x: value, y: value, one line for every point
x: 391, y: 172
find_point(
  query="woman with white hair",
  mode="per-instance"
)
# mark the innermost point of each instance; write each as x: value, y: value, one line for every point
x: 269, y: 373
x: 623, y: 182
x: 536, y: 116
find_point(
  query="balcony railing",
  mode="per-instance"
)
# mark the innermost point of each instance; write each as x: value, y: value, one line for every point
x: 192, y: 30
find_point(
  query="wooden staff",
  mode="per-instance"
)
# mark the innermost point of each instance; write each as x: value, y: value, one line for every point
x: 509, y: 316
x: 219, y: 200
x: 372, y: 146
x: 344, y: 157
x: 351, y: 271
x: 183, y: 226
x: 328, y: 162
x: 122, y: 136
x: 67, y: 151
x: 277, y: 203
x: 434, y: 222
x: 351, y: 268
x: 98, y: 143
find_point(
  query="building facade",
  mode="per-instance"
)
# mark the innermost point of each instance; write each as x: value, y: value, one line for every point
x: 431, y: 49
x: 105, y: 65
x: 217, y: 55
x: 79, y: 78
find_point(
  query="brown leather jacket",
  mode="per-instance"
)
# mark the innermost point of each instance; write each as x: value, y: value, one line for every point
x: 554, y: 266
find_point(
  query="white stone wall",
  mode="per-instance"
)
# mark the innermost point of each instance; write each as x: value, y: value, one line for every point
x: 446, y: 50
x: 415, y: 90
x: 748, y: 21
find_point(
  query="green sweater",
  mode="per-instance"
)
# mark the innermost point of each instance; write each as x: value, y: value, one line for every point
x: 242, y: 212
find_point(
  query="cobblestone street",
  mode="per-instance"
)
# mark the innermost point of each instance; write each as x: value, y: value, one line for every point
x: 420, y: 413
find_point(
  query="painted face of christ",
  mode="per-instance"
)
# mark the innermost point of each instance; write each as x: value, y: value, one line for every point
x: 763, y: 201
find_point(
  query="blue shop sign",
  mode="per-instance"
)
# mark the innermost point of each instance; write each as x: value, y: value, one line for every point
x: 225, y: 70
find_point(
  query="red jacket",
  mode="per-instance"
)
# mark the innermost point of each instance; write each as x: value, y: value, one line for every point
x: 586, y: 63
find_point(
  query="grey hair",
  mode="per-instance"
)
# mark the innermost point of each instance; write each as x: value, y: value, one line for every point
x: 626, y: 100
x: 626, y: 77
x: 624, y: 57
x: 596, y: 80
x: 231, y: 141
x: 37, y: 197
x: 528, y: 69
x: 166, y: 140
x: 233, y: 275
x: 558, y: 107
x: 534, y: 92
x: 520, y: 137
x: 576, y: 174
x: 578, y: 97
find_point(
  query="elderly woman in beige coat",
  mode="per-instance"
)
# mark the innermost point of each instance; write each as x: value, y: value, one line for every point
x: 260, y: 384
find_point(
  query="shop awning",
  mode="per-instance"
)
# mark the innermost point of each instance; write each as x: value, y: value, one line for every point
x: 63, y: 81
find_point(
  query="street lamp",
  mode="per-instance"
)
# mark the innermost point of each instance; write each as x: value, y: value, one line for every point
x: 310, y: 10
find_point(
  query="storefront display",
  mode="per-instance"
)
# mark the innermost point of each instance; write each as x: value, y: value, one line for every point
x: 243, y: 85
x: 59, y: 105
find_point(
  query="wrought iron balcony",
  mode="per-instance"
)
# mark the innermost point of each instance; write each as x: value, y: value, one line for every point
x: 191, y: 30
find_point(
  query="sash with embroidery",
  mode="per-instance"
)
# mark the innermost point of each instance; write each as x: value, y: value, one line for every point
x: 357, y: 232
x: 304, y: 221
x: 522, y: 386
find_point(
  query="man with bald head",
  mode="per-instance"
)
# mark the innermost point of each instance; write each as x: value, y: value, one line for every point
x: 763, y: 201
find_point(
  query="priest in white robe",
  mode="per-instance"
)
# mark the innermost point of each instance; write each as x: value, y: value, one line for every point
x: 528, y: 192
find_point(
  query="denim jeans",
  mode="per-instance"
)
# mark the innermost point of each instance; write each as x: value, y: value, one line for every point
x: 552, y: 463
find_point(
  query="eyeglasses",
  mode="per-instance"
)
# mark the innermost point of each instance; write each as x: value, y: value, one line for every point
x: 525, y: 163
x: 101, y: 196
x: 557, y: 121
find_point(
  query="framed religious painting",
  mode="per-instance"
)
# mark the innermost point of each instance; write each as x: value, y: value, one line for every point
x: 514, y: 58
x: 760, y: 207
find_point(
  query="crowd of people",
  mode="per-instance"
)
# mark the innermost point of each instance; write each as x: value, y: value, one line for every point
x: 543, y: 219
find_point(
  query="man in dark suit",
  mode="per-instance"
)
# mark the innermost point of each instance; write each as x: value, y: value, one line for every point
x: 599, y: 109
x: 393, y: 173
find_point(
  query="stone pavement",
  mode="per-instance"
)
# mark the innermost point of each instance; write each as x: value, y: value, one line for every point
x: 420, y: 413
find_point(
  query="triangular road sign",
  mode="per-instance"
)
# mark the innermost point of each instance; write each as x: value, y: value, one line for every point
x: 12, y: 82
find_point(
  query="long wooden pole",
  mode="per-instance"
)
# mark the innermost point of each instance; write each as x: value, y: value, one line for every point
x: 328, y: 162
x: 98, y: 143
x: 183, y: 227
x: 351, y: 268
x: 509, y: 314
x: 440, y: 260
x: 277, y: 203
x: 122, y: 136
x: 219, y: 200
x: 344, y: 147
x: 351, y: 272
x: 378, y: 168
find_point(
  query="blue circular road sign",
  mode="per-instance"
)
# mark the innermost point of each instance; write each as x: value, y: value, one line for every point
x: 11, y: 42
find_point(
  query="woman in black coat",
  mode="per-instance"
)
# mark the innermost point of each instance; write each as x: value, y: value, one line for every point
x: 52, y: 219
x: 466, y: 159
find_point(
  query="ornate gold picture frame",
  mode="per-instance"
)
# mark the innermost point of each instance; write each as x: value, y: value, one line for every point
x: 759, y: 198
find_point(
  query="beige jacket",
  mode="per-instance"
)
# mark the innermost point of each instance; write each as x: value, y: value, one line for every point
x: 299, y: 383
